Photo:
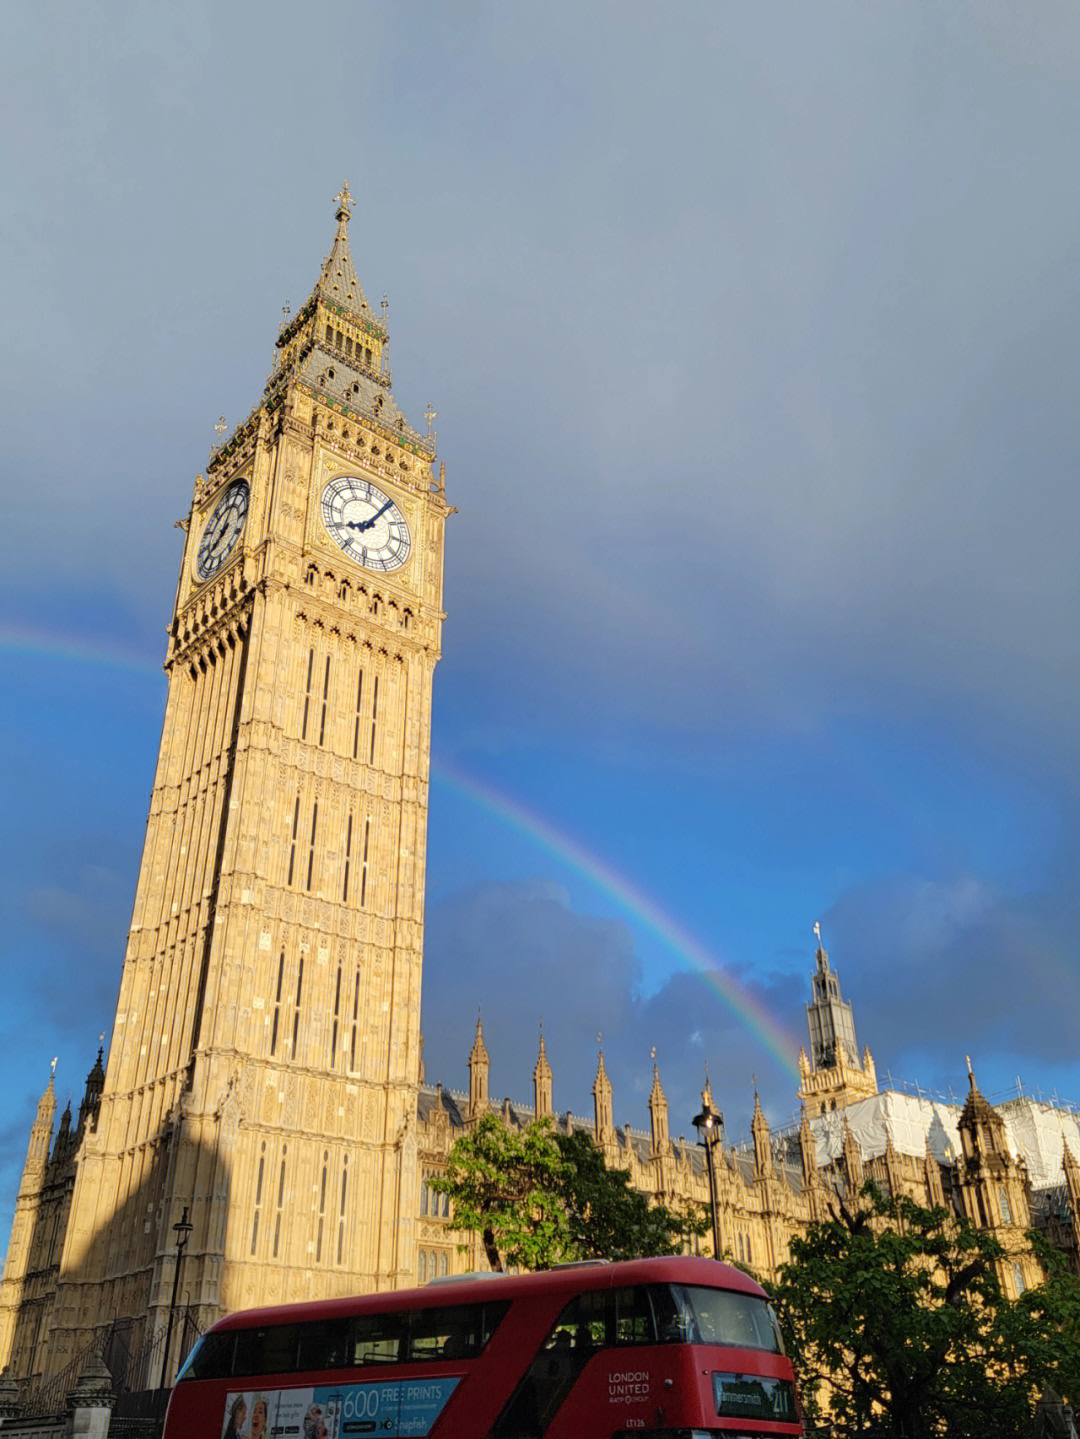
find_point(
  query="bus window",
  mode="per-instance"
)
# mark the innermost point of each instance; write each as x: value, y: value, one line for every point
x: 453, y: 1333
x: 211, y: 1357
x: 633, y: 1317
x: 377, y: 1338
x: 725, y: 1316
x: 325, y: 1344
x: 270, y: 1350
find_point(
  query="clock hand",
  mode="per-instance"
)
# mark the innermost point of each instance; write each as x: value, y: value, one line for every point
x: 367, y: 524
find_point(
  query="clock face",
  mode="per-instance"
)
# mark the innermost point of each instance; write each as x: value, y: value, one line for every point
x: 365, y: 523
x: 223, y: 529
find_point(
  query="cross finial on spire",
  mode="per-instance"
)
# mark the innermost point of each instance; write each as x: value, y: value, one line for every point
x: 52, y: 1067
x: 220, y: 428
x: 344, y: 202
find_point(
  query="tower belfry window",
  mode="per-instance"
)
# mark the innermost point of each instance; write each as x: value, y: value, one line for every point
x: 348, y: 860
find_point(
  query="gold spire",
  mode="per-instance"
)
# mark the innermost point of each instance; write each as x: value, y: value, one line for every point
x: 338, y: 284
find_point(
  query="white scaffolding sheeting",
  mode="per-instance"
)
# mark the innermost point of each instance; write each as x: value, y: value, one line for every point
x: 1035, y: 1131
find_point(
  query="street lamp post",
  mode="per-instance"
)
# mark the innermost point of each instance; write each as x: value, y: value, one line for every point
x: 182, y: 1229
x: 710, y: 1127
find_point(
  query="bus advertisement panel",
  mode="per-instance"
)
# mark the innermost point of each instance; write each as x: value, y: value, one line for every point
x: 405, y: 1409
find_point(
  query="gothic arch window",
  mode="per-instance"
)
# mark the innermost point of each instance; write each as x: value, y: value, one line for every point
x: 292, y: 842
x: 296, y: 1009
x: 341, y: 1210
x: 443, y: 1264
x: 322, y: 1208
x: 355, y: 1018
x: 280, y: 1199
x: 277, y: 1003
x: 258, y: 1196
x: 421, y: 1267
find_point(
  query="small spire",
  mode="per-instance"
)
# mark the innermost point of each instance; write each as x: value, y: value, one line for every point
x: 337, y: 281
x: 479, y: 1049
x: 344, y: 202
x: 822, y: 953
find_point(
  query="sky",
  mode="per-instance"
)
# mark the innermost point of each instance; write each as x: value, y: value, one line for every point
x: 752, y: 333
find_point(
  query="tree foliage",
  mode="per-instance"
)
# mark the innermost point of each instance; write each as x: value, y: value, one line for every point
x: 898, y: 1325
x: 537, y: 1198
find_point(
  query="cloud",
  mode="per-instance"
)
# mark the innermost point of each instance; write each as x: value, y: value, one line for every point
x: 523, y: 953
x: 955, y: 966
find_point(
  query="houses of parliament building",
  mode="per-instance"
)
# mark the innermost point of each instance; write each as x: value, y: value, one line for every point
x: 264, y: 1081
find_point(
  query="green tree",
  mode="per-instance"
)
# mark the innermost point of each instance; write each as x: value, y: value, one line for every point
x: 538, y: 1198
x: 898, y: 1325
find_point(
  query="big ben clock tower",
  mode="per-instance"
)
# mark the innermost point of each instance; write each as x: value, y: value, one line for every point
x: 264, y: 1063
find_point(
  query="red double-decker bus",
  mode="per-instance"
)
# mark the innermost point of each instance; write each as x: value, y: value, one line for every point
x: 663, y: 1348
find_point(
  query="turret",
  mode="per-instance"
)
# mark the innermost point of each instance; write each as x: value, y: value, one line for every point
x: 993, y: 1184
x: 892, y: 1163
x: 29, y: 1198
x: 37, y: 1151
x: 542, y: 1084
x: 759, y: 1128
x: 605, y: 1123
x: 935, y: 1189
x: 658, y: 1114
x: 808, y: 1149
x: 479, y: 1069
x: 91, y: 1100
x: 833, y: 1076
x: 853, y: 1167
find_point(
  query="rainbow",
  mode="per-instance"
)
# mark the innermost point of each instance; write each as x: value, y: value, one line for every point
x: 637, y: 905
x: 643, y: 910
x: 34, y: 641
